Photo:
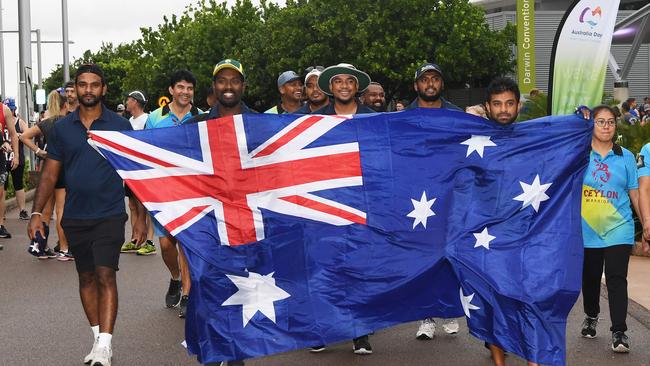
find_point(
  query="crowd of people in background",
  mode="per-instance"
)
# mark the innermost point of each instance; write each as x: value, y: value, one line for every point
x: 340, y: 89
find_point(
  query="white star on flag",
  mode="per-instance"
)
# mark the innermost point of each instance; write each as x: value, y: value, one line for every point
x: 483, y: 239
x: 421, y: 210
x: 256, y: 293
x: 477, y: 143
x: 534, y: 193
x: 467, y: 303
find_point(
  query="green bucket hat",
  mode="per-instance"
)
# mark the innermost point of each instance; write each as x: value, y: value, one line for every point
x: 363, y: 80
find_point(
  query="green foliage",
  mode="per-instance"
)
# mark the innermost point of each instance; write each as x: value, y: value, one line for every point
x: 388, y: 40
x: 534, y: 107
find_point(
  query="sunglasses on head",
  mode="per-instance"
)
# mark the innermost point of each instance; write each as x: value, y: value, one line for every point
x: 311, y: 68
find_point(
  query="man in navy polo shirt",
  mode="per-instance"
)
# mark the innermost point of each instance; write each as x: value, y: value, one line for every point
x: 429, y: 84
x: 94, y: 215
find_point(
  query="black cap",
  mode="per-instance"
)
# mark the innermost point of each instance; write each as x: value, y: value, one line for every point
x: 428, y: 67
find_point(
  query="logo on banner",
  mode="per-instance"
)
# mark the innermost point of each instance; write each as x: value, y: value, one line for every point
x: 591, y: 17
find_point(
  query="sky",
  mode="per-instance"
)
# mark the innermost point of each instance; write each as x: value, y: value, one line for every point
x: 90, y: 24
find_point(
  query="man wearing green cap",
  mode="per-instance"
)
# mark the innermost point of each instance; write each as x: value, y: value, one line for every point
x: 229, y: 84
x: 343, y: 82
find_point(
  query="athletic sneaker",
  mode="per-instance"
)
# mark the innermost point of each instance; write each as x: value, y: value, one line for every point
x: 589, y: 327
x: 147, y: 248
x: 620, y: 342
x: 4, y: 234
x: 173, y: 296
x: 129, y: 247
x: 102, y: 356
x: 49, y: 253
x: 426, y: 330
x: 317, y: 349
x: 64, y: 256
x: 89, y: 357
x: 183, y: 306
x: 23, y: 215
x: 451, y: 326
x: 362, y: 345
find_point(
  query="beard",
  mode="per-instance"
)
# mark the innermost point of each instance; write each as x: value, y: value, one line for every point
x: 93, y: 101
x: 377, y: 107
x: 228, y: 103
x: 428, y: 98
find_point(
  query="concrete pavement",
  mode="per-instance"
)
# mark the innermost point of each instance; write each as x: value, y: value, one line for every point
x: 42, y: 322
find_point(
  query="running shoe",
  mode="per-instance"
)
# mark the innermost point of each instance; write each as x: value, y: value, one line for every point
x: 64, y: 256
x: 620, y: 342
x: 147, y: 249
x: 89, y: 357
x: 49, y: 254
x: 362, y: 345
x: 130, y: 247
x: 102, y: 357
x: 173, y: 296
x: 183, y: 306
x: 316, y: 349
x: 426, y: 330
x: 589, y: 327
x: 451, y: 326
x: 4, y: 234
x: 23, y: 215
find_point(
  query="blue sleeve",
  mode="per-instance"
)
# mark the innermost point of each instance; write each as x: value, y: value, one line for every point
x: 643, y: 161
x: 54, y: 150
x: 632, y: 172
x: 148, y: 124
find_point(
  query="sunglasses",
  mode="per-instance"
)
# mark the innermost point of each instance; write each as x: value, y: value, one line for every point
x: 312, y: 68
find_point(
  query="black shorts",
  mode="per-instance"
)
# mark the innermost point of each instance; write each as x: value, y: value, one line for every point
x: 95, y: 242
x: 60, y: 182
x: 16, y: 177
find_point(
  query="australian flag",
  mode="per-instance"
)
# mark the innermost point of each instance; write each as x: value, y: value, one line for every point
x: 309, y: 230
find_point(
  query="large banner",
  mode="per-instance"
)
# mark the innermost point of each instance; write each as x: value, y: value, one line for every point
x: 310, y: 230
x: 526, y: 45
x: 580, y: 55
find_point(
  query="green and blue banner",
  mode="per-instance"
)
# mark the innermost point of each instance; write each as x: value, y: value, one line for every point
x: 526, y: 45
x: 580, y: 55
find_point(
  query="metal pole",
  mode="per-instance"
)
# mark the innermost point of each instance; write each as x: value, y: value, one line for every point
x: 25, y: 55
x: 2, y: 58
x: 66, y: 53
x: 38, y: 58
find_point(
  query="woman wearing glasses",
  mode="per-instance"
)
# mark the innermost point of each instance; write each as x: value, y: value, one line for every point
x: 610, y: 184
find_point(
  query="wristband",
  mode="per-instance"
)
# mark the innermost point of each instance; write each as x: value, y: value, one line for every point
x: 36, y: 213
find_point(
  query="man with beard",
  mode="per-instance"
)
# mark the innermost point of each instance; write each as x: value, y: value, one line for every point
x: 177, y: 112
x: 343, y: 82
x: 429, y: 84
x: 374, y: 97
x: 71, y: 96
x: 229, y: 84
x: 316, y: 99
x: 94, y: 216
x: 502, y: 104
x: 290, y: 88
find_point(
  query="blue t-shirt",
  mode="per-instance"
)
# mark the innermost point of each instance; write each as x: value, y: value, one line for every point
x: 94, y: 190
x: 606, y: 212
x: 164, y: 117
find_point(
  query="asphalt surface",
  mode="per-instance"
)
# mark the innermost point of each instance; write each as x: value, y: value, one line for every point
x: 42, y: 323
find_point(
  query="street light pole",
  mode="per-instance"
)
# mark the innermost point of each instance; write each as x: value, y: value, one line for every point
x: 66, y: 53
x: 2, y: 58
x: 25, y: 56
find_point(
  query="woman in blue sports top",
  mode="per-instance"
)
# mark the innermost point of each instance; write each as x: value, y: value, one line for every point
x: 610, y: 184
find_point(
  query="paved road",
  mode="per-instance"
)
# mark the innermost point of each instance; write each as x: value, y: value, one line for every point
x: 41, y: 323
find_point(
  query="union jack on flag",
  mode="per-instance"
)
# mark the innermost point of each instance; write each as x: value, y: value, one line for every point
x: 231, y: 181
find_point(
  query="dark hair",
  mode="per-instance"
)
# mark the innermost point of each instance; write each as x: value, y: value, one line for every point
x: 90, y: 68
x: 501, y: 85
x: 631, y: 100
x: 625, y: 106
x: 602, y: 107
x: 182, y: 75
x: 69, y: 84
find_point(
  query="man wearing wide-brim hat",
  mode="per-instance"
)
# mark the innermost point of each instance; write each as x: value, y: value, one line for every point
x: 342, y: 82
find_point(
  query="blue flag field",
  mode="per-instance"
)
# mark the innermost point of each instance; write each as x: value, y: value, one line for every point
x: 309, y: 230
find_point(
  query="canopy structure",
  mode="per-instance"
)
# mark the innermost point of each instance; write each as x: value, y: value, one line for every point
x: 633, y: 30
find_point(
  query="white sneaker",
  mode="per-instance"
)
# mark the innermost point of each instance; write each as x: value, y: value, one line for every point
x: 451, y: 326
x: 102, y: 357
x: 427, y: 329
x: 89, y: 357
